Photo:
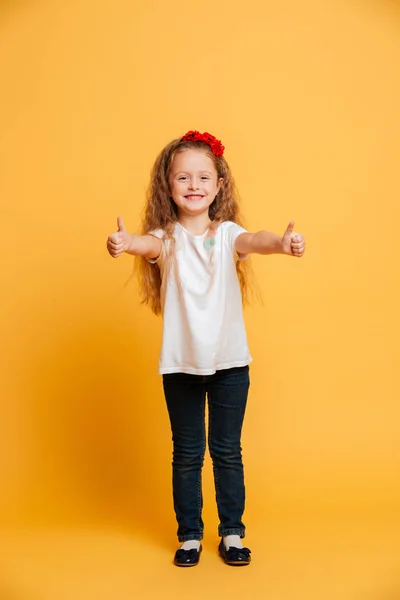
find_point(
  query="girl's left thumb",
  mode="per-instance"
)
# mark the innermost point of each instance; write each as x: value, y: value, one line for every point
x: 290, y: 227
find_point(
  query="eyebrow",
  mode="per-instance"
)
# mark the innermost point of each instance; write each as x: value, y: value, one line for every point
x: 187, y: 173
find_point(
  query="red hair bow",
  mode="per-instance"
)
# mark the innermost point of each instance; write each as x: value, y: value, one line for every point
x: 215, y: 145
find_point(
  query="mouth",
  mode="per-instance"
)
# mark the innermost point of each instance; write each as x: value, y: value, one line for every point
x: 194, y: 197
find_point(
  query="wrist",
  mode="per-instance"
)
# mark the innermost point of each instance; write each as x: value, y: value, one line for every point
x: 129, y: 245
x: 282, y: 248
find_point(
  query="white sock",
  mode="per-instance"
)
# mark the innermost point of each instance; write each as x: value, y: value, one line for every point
x: 232, y: 541
x: 189, y: 544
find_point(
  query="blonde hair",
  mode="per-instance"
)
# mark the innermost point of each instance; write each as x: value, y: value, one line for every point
x: 161, y: 212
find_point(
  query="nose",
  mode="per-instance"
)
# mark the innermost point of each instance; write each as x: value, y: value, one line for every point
x: 193, y: 185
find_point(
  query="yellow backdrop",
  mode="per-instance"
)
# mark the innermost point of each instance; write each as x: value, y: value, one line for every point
x: 305, y: 96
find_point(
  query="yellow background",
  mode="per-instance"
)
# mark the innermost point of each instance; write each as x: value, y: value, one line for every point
x: 305, y: 96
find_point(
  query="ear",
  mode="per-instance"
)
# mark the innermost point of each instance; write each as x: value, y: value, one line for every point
x: 220, y: 183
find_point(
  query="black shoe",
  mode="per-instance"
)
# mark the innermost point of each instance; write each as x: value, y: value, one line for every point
x: 187, y: 558
x: 234, y: 556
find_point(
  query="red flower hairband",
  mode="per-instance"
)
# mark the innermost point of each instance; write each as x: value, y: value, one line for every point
x: 215, y: 145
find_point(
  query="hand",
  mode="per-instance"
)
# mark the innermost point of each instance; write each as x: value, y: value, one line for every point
x: 293, y: 243
x: 118, y: 242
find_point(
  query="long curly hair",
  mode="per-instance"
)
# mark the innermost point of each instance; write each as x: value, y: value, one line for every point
x: 161, y: 212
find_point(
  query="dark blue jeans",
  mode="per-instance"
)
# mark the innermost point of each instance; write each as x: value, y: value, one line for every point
x: 227, y: 397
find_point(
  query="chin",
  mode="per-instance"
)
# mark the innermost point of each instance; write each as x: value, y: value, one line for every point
x: 193, y: 208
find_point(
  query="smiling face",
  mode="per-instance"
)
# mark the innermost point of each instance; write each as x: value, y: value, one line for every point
x: 193, y: 182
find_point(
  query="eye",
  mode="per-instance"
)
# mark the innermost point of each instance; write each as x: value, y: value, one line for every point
x: 205, y: 177
x: 181, y: 177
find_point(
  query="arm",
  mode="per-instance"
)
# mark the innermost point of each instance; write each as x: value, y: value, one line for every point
x: 266, y: 242
x: 148, y: 246
x: 262, y: 242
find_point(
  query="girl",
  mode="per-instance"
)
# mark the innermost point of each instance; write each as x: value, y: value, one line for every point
x: 193, y: 270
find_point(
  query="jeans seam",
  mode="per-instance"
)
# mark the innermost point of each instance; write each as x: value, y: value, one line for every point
x: 199, y: 487
x: 215, y: 468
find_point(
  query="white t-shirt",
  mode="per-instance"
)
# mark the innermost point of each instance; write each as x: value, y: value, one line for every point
x: 203, y: 326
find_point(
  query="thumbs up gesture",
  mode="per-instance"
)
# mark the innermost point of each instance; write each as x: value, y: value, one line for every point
x: 293, y: 243
x: 119, y: 242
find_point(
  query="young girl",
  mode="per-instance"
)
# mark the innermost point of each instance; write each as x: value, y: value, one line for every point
x: 193, y: 270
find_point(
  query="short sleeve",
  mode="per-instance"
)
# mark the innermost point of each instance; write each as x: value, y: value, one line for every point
x: 158, y: 233
x: 232, y: 231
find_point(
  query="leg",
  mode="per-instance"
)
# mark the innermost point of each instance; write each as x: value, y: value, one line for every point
x: 227, y: 397
x: 185, y: 398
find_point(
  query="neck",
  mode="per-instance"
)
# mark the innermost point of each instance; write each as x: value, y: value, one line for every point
x: 195, y: 224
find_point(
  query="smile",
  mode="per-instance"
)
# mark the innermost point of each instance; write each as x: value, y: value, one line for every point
x: 194, y: 197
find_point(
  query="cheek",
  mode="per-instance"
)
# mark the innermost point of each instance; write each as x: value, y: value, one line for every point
x: 174, y: 188
x: 176, y: 192
x: 210, y: 185
x: 214, y: 189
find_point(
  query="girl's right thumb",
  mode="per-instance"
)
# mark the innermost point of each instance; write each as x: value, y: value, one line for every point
x: 120, y: 223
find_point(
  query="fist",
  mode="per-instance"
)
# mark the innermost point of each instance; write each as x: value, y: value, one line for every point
x: 118, y: 242
x: 293, y: 243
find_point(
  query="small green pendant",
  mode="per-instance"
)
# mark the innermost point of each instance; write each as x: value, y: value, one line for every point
x: 208, y: 243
